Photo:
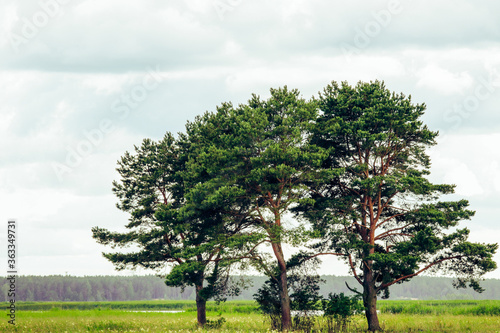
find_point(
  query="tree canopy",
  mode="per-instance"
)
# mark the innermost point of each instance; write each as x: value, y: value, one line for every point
x: 382, y: 215
x: 257, y: 162
x: 152, y: 190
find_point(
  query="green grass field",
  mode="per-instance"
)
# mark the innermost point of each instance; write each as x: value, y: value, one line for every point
x: 241, y: 316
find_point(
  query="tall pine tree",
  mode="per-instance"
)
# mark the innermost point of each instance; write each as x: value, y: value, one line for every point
x: 382, y: 215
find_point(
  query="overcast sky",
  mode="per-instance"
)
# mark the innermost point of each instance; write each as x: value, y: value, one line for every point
x: 83, y: 81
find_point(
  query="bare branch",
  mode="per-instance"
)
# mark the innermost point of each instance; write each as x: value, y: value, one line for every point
x: 385, y: 285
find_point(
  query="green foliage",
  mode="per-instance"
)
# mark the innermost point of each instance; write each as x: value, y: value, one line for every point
x: 304, y: 294
x: 351, y: 163
x: 381, y: 213
x: 123, y: 321
x: 304, y: 283
x: 165, y: 230
x: 214, y: 324
x: 150, y: 191
x: 106, y: 325
x: 128, y: 288
x: 109, y: 320
x: 305, y: 300
x: 254, y: 164
x: 181, y: 306
x: 439, y: 308
x: 268, y: 300
x: 339, y: 309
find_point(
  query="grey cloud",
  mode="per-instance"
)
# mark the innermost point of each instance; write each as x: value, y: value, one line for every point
x: 76, y: 71
x: 97, y: 37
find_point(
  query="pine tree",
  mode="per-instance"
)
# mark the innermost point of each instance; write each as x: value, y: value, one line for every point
x: 381, y: 214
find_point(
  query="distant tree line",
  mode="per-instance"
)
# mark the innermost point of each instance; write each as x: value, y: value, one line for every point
x: 129, y: 288
x: 92, y: 288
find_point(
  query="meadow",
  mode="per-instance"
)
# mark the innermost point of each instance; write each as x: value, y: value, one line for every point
x: 240, y: 316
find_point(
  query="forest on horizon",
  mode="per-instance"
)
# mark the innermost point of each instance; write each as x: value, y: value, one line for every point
x: 128, y: 288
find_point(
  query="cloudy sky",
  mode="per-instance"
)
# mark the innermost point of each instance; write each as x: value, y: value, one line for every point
x: 82, y: 81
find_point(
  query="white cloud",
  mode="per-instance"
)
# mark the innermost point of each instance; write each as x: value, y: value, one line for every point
x: 31, y: 205
x: 105, y: 84
x: 8, y: 19
x: 233, y: 49
x: 64, y: 81
x: 469, y: 161
x: 466, y: 181
x: 437, y: 78
x: 494, y: 169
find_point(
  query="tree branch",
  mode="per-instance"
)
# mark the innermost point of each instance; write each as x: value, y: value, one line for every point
x: 385, y: 285
x: 386, y: 233
x: 354, y: 270
x: 389, y: 218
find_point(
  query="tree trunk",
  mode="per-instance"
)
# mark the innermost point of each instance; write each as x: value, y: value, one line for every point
x: 201, y: 306
x: 286, y: 317
x: 370, y: 300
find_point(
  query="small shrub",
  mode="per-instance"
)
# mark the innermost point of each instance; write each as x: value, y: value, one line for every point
x: 214, y: 324
x: 268, y: 300
x: 304, y: 323
x: 339, y: 310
